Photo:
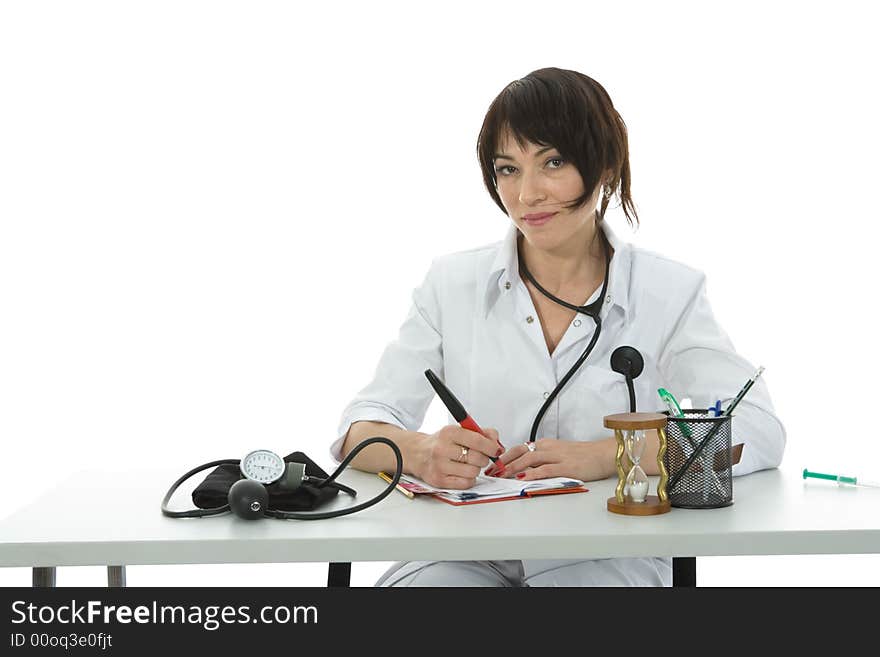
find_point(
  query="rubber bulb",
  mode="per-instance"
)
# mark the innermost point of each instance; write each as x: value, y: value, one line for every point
x: 248, y: 499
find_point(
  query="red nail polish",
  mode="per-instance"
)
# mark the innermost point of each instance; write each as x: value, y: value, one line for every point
x: 520, y: 475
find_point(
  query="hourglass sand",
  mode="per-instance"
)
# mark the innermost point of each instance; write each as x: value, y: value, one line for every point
x: 631, y: 494
x: 636, y: 480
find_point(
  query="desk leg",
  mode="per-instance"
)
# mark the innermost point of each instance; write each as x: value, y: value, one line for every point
x: 684, y: 571
x: 339, y: 575
x: 44, y: 577
x: 116, y: 577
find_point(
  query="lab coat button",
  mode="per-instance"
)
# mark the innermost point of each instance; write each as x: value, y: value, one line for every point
x: 577, y: 322
x: 546, y: 394
x: 507, y: 285
x: 530, y: 319
x: 608, y: 299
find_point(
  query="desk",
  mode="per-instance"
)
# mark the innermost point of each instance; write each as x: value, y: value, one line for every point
x: 114, y: 519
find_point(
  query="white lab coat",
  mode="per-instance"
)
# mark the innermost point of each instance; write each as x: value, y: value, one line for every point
x: 473, y: 322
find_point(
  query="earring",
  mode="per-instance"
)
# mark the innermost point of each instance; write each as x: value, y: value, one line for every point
x: 608, y: 192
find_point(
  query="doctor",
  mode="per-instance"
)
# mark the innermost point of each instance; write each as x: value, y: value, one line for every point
x: 553, y: 152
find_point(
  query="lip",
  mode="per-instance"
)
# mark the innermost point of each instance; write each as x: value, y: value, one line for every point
x: 538, y: 218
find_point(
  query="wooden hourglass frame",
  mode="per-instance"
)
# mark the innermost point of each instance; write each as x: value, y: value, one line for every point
x: 653, y: 504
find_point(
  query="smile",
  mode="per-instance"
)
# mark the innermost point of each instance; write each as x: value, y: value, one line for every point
x: 538, y: 219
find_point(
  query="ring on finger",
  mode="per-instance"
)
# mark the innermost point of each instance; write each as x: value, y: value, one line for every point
x: 531, y: 446
x: 464, y: 454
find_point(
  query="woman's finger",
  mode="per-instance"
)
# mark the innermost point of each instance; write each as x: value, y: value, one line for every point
x: 514, y: 453
x: 456, y: 482
x: 499, y: 468
x: 492, y: 434
x: 474, y: 441
x: 464, y: 454
x: 525, y: 459
x: 456, y: 469
x: 539, y: 472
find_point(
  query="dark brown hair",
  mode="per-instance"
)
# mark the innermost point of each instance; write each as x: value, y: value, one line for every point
x: 573, y: 113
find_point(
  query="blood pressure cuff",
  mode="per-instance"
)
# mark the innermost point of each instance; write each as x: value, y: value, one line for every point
x: 214, y: 490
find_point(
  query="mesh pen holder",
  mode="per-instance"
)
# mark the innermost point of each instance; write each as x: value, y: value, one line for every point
x: 704, y: 481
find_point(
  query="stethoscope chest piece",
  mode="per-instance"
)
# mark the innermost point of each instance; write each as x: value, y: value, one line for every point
x: 627, y: 361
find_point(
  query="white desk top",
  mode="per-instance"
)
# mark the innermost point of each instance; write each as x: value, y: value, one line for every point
x: 115, y: 519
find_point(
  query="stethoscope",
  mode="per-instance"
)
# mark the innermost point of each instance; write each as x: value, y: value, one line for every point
x: 625, y: 360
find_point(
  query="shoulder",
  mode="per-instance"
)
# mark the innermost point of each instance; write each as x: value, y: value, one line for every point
x: 660, y: 286
x: 463, y: 268
x: 655, y: 273
x: 455, y: 284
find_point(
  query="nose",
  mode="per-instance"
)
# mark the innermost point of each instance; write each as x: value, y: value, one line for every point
x: 531, y: 190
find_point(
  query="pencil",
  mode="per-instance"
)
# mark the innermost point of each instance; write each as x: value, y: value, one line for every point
x: 403, y: 490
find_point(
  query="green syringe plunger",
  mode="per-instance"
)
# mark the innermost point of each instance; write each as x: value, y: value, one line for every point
x: 841, y: 479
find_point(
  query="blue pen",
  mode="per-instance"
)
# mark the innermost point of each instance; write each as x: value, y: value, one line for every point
x: 715, y: 410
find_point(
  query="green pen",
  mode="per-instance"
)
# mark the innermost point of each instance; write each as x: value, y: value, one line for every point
x: 675, y: 411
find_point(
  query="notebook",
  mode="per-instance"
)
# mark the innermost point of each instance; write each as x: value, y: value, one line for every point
x: 495, y: 489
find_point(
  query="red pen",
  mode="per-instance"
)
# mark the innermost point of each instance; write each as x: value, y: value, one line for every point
x: 457, y: 410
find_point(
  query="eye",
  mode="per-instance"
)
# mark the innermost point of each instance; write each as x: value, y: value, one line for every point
x: 503, y: 170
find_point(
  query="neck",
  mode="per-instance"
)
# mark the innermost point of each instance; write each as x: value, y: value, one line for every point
x: 578, y: 262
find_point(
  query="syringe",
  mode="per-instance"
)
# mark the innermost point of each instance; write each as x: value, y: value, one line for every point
x: 841, y: 479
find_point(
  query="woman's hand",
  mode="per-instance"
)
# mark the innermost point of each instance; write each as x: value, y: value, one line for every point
x: 453, y: 456
x: 587, y: 461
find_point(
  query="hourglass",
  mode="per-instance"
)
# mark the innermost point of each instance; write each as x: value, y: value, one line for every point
x: 636, y: 481
x: 631, y: 493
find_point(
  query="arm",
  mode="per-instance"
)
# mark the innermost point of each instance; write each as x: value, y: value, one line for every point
x: 376, y: 458
x: 393, y: 405
x: 700, y: 362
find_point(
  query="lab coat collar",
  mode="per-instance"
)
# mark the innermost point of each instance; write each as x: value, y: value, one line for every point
x: 504, y: 271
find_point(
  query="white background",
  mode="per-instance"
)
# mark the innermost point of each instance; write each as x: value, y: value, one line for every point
x: 213, y: 214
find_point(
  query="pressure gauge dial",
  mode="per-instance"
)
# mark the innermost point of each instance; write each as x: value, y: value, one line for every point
x: 263, y: 466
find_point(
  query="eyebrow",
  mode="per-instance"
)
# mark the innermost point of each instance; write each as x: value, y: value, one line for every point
x: 502, y: 156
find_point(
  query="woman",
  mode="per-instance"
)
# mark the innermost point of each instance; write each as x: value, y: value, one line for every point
x: 553, y: 152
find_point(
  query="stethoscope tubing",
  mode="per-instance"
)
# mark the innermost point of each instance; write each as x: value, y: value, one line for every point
x: 592, y: 311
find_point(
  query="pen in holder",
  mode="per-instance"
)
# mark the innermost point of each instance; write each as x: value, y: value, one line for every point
x: 699, y: 460
x: 631, y: 494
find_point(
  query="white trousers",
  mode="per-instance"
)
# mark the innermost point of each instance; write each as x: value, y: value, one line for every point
x: 646, y: 571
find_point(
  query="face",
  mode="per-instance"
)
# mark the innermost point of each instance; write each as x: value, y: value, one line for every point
x: 535, y: 184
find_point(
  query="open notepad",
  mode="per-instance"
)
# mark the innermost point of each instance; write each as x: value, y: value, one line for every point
x: 495, y: 489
